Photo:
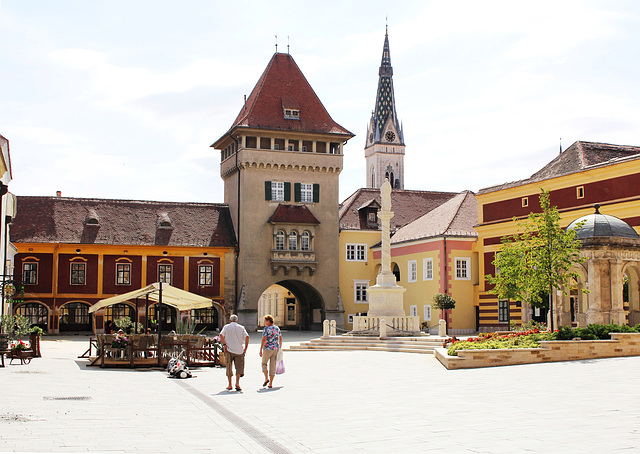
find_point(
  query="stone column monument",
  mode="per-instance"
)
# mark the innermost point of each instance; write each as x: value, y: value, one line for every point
x: 386, y: 297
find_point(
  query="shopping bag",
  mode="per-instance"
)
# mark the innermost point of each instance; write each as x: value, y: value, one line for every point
x: 280, y: 368
x: 279, y: 355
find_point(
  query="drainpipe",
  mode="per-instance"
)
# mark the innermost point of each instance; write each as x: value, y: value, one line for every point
x: 446, y: 280
x: 238, y: 221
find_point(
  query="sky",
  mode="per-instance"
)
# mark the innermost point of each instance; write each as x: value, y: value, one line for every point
x: 122, y: 99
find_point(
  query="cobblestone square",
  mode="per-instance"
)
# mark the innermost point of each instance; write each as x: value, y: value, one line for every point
x: 360, y: 401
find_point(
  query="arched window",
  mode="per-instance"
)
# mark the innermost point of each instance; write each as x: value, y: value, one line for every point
x: 305, y: 241
x: 280, y: 240
x: 37, y: 314
x: 293, y: 240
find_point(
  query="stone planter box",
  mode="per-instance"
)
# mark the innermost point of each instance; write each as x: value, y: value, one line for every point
x: 621, y: 344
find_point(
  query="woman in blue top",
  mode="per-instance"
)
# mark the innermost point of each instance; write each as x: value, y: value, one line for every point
x: 271, y: 342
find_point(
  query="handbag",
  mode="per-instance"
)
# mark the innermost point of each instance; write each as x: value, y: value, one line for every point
x: 279, y: 362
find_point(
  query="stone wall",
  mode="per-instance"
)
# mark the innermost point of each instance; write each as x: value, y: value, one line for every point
x: 621, y: 344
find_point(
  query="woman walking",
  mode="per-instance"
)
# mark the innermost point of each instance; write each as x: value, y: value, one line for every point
x: 271, y: 342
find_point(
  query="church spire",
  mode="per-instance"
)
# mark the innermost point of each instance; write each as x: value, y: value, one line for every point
x: 385, y: 99
x: 384, y: 149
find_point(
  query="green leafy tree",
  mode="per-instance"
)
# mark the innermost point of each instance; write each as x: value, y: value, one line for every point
x: 537, y: 259
x: 443, y: 301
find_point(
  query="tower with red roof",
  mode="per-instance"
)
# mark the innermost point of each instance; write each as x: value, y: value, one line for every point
x: 280, y: 162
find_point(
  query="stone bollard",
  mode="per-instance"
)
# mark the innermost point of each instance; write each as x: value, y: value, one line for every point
x: 325, y: 329
x: 442, y: 328
x: 383, y: 328
x: 332, y: 328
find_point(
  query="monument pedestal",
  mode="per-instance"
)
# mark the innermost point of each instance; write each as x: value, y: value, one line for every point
x: 385, y: 298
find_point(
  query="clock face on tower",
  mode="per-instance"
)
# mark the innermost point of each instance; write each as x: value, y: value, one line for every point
x: 390, y: 136
x: 371, y: 137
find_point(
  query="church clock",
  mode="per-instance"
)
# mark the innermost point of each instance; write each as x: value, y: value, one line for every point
x: 390, y: 136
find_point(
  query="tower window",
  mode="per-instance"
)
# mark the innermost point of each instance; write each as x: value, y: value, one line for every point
x: 525, y: 202
x: 292, y: 114
x: 580, y: 192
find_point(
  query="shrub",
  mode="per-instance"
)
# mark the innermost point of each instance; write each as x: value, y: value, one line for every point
x: 595, y: 331
x: 443, y: 301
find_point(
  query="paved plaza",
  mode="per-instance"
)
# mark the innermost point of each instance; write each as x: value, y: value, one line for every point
x: 326, y: 402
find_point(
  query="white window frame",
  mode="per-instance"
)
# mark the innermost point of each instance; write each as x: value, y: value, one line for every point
x: 205, y: 271
x: 427, y: 269
x: 292, y: 240
x: 356, y: 252
x: 350, y: 318
x: 305, y: 241
x: 32, y: 269
x: 306, y: 192
x: 280, y: 240
x: 412, y: 271
x: 82, y: 271
x: 277, y: 191
x: 467, y: 269
x: 162, y: 274
x: 358, y: 287
x: 126, y: 271
x: 426, y: 309
x: 413, y: 310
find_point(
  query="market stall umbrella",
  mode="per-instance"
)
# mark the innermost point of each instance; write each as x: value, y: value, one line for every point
x: 172, y: 296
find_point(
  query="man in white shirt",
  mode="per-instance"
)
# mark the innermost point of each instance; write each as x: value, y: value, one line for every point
x: 233, y: 336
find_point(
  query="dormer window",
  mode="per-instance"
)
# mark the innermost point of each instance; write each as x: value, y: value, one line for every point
x: 164, y: 221
x: 92, y: 218
x: 292, y: 114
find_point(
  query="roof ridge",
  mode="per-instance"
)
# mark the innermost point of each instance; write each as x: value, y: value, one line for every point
x: 98, y: 199
x: 580, y: 153
x: 453, y: 218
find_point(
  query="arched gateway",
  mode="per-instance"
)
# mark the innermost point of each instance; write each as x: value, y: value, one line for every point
x: 294, y: 304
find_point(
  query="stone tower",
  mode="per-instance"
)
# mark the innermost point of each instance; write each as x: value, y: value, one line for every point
x: 384, y: 149
x: 280, y: 162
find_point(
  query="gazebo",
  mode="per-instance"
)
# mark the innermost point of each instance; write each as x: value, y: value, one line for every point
x: 612, y: 251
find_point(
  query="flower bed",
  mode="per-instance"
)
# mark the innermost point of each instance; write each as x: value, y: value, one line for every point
x: 493, y: 341
x: 536, y: 346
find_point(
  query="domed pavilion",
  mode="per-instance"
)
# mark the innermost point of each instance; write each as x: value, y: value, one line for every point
x: 612, y: 249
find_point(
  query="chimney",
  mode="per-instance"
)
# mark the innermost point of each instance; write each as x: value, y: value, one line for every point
x: 58, y: 193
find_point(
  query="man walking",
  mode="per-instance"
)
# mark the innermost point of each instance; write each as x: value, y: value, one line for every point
x: 233, y: 336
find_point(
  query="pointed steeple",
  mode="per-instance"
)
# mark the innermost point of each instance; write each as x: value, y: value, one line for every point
x: 384, y: 149
x: 385, y: 99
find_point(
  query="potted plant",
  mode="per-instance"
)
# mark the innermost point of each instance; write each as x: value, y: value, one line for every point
x: 19, y: 349
x: 444, y: 302
x: 15, y: 326
x: 34, y: 340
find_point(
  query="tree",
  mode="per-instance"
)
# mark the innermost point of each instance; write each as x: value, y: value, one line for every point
x: 443, y: 301
x: 537, y: 259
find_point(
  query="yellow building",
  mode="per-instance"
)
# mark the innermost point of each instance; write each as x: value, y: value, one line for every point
x: 432, y: 251
x: 584, y: 174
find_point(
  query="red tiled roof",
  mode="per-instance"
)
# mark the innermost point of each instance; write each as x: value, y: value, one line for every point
x: 293, y: 214
x: 406, y: 205
x: 578, y: 157
x: 282, y: 84
x: 65, y: 220
x: 454, y: 218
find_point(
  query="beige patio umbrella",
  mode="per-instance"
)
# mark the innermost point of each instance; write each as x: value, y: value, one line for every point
x: 162, y: 293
